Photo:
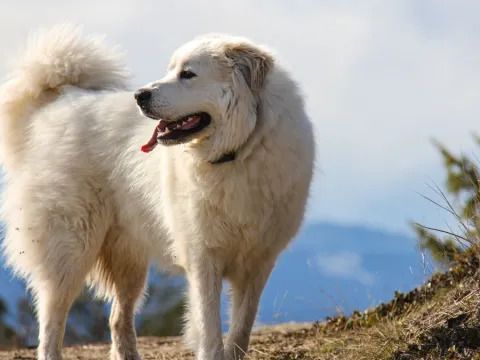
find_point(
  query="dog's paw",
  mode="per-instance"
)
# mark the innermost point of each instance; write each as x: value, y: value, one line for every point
x: 233, y: 353
x: 115, y: 355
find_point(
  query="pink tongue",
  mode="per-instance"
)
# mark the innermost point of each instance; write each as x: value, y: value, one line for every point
x: 150, y: 145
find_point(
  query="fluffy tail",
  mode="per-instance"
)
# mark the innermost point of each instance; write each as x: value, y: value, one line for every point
x: 56, y: 57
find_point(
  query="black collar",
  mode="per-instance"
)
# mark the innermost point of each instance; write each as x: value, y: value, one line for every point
x: 227, y: 157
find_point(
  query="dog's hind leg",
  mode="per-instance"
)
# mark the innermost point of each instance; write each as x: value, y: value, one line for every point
x: 124, y: 269
x: 129, y: 287
x: 246, y: 288
x: 56, y: 283
x: 53, y: 304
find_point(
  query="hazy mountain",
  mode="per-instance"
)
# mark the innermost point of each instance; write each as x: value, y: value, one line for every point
x: 334, y: 268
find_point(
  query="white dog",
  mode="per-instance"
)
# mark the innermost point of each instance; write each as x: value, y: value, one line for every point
x: 219, y: 199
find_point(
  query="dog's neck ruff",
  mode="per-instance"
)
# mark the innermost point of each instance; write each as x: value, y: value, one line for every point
x: 230, y: 156
x: 227, y: 157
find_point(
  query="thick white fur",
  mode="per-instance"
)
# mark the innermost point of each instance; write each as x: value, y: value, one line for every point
x: 82, y: 202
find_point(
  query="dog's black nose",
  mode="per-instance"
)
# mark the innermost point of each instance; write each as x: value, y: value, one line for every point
x: 143, y: 96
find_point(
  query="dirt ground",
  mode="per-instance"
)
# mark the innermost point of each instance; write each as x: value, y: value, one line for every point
x: 287, y: 341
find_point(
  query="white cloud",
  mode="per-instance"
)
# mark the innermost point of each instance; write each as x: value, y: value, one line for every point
x: 345, y: 265
x: 381, y: 78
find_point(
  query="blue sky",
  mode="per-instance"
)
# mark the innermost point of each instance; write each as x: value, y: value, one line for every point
x: 381, y: 78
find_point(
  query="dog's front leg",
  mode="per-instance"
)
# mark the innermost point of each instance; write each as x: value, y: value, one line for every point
x: 203, y: 330
x: 246, y: 289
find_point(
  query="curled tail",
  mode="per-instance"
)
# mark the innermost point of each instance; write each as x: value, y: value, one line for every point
x: 53, y: 58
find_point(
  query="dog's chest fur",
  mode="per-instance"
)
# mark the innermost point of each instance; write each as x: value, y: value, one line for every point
x: 221, y: 206
x: 238, y: 208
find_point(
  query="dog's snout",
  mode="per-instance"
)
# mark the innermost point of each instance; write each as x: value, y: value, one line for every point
x: 143, y: 96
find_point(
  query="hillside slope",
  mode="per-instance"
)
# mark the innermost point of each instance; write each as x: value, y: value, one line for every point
x: 440, y: 320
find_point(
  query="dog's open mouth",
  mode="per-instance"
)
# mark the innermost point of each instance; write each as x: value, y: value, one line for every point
x: 174, y: 131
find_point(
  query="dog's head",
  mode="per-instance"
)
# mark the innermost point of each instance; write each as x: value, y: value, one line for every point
x: 209, y: 95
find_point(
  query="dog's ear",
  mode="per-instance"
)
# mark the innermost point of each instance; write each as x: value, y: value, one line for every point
x: 254, y: 63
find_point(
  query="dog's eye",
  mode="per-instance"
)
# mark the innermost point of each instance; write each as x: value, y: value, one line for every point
x: 186, y: 74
